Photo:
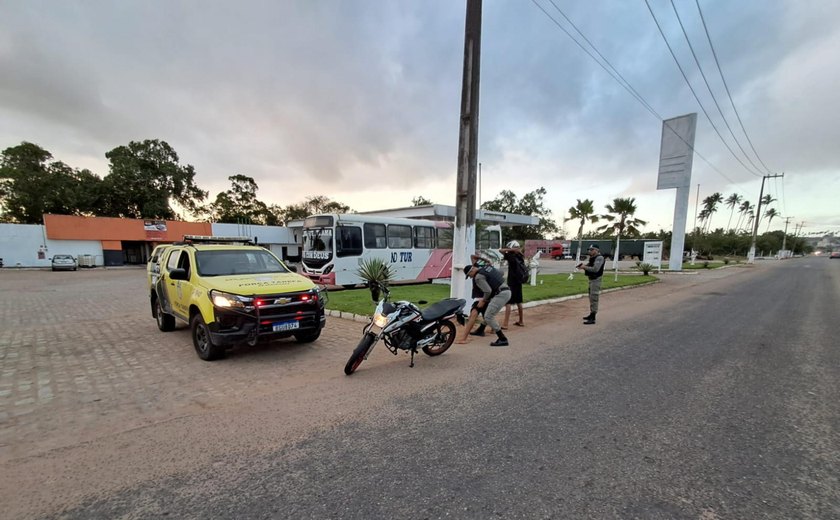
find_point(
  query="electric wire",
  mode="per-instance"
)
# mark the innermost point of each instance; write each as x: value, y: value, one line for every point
x: 726, y: 87
x: 693, y: 92
x: 623, y: 82
x: 711, y: 92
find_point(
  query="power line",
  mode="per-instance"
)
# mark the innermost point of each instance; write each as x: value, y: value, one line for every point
x: 709, y: 88
x: 693, y: 92
x: 622, y: 81
x: 726, y: 86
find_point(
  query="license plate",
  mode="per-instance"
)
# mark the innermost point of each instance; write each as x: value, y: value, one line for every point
x: 280, y: 326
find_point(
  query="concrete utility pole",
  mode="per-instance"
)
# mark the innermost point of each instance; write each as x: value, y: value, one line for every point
x: 463, y: 244
x: 751, y: 256
x: 696, y: 231
x: 784, y: 237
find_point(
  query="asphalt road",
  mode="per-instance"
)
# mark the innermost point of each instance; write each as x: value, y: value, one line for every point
x: 706, y: 396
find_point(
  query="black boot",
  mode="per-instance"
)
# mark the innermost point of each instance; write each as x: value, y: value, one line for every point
x: 479, y: 331
x: 502, y: 341
x: 590, y: 320
x: 588, y: 316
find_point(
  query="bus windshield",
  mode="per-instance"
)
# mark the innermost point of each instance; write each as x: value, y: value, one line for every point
x: 317, y: 245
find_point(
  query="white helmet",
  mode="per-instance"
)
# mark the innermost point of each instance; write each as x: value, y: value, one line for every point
x: 513, y: 244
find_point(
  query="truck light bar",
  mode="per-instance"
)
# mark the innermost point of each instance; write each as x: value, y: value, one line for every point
x: 207, y: 239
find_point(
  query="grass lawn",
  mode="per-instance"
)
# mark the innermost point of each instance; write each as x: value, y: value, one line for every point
x: 548, y: 286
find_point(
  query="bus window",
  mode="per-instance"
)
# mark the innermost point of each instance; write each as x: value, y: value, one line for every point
x: 489, y: 239
x: 399, y: 237
x: 444, y: 238
x: 348, y: 241
x: 375, y: 236
x: 424, y: 237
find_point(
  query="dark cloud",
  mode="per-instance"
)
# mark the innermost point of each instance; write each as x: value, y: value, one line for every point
x: 359, y: 100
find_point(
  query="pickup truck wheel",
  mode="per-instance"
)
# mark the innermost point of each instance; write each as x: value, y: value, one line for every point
x: 202, y: 340
x: 307, y: 337
x: 165, y: 322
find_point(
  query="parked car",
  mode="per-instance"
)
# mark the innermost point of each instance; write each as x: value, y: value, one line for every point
x: 64, y: 263
x: 835, y: 254
x: 233, y: 293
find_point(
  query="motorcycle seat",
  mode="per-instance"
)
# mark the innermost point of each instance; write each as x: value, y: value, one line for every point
x: 442, y: 308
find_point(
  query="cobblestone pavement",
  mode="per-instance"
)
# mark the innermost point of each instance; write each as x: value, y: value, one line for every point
x: 81, y: 356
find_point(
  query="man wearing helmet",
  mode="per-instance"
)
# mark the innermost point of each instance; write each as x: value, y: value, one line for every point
x: 514, y: 257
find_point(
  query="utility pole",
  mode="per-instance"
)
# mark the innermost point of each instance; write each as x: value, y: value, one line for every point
x: 463, y: 244
x: 784, y: 237
x: 696, y: 233
x: 751, y: 256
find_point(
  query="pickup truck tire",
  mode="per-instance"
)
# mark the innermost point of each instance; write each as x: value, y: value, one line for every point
x: 165, y: 322
x: 202, y: 341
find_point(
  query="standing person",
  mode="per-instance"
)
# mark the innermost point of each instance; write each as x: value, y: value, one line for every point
x: 515, y: 260
x: 594, y: 270
x: 495, y: 294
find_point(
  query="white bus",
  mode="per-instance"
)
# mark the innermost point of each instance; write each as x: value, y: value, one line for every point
x: 417, y: 250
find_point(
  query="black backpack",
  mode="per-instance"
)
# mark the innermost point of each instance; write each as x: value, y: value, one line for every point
x: 520, y: 270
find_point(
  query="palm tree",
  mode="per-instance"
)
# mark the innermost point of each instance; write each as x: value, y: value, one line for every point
x: 743, y: 210
x: 621, y: 220
x: 750, y: 218
x: 770, y: 214
x: 583, y: 211
x: 710, y: 206
x: 765, y: 201
x: 732, y: 201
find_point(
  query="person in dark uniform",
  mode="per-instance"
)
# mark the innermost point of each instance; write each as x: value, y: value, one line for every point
x: 594, y: 270
x: 495, y: 294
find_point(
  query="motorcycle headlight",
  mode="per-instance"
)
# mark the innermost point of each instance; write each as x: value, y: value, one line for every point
x: 229, y: 301
x: 380, y: 320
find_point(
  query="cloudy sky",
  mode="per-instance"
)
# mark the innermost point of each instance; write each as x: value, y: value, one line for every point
x: 359, y: 100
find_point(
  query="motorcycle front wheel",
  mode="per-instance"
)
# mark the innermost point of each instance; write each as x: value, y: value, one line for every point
x: 359, y: 354
x: 445, y: 336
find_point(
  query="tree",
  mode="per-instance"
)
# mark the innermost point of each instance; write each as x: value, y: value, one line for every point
x: 743, y: 210
x: 530, y: 204
x: 420, y: 201
x: 732, y: 201
x: 765, y: 201
x: 621, y: 221
x: 240, y: 203
x: 710, y: 207
x: 144, y: 177
x: 583, y: 211
x: 312, y: 205
x: 31, y: 186
x: 771, y: 213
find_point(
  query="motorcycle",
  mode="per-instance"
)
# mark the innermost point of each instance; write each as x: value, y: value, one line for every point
x: 404, y: 326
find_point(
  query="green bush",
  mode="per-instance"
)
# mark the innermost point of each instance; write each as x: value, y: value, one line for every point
x: 645, y: 268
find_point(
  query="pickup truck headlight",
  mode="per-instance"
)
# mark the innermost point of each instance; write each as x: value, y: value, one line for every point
x: 229, y: 301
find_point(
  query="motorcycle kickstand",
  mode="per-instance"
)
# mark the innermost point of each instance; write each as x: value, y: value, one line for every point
x: 413, y: 351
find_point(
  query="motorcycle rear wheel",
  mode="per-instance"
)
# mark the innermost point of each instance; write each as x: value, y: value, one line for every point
x: 359, y: 354
x: 445, y: 337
